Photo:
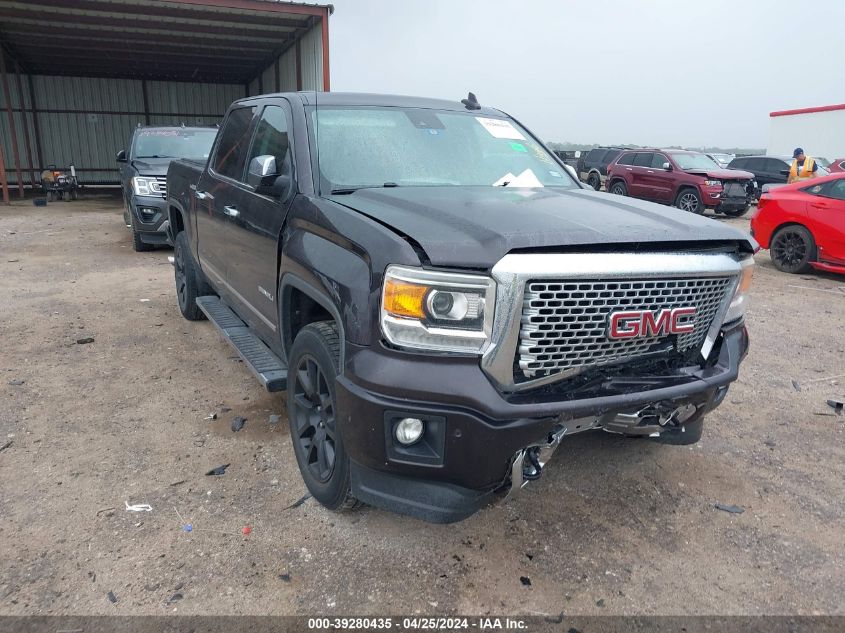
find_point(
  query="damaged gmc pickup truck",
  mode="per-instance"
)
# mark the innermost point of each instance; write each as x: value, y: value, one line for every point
x: 441, y: 301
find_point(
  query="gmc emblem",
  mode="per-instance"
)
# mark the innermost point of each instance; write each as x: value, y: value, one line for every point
x: 645, y: 323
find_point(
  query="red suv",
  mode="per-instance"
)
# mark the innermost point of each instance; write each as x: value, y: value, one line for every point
x: 689, y: 180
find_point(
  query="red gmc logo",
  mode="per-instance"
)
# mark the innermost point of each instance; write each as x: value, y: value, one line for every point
x: 645, y: 323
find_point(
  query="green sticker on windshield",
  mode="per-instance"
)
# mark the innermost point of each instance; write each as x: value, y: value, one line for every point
x: 518, y: 147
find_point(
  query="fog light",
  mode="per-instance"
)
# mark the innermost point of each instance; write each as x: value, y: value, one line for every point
x: 409, y: 431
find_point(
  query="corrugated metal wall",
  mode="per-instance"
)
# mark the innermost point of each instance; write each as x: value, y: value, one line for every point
x: 311, y: 67
x: 86, y: 121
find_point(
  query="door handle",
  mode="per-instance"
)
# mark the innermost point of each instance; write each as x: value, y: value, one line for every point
x: 232, y: 212
x: 201, y: 195
x: 629, y: 169
x: 819, y: 205
x: 651, y: 172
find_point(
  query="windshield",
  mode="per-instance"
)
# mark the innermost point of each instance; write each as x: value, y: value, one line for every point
x: 170, y: 143
x: 694, y: 161
x: 395, y: 147
x: 823, y: 161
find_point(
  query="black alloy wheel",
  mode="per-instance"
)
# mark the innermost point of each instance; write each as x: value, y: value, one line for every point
x: 313, y: 419
x: 792, y: 249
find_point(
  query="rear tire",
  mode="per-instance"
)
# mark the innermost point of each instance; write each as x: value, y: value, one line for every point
x: 619, y: 188
x: 690, y: 200
x: 594, y: 181
x: 313, y: 417
x: 736, y: 213
x: 792, y: 249
x: 185, y: 273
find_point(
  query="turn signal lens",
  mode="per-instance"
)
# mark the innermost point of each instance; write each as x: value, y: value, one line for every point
x: 745, y: 280
x: 404, y: 299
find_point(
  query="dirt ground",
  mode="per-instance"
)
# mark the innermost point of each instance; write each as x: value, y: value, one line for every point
x: 615, y: 526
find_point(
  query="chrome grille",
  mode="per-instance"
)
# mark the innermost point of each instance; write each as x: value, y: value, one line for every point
x: 564, y: 323
x: 160, y: 186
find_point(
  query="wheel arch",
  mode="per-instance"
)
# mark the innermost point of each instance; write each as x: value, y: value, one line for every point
x: 300, y: 304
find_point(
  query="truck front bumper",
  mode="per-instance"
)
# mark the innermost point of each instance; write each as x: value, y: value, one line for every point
x: 149, y: 218
x: 472, y: 431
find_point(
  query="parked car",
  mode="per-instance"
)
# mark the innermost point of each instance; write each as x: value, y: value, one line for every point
x: 722, y: 159
x: 768, y: 170
x: 837, y: 166
x: 440, y: 324
x: 803, y: 225
x: 592, y: 165
x: 143, y: 175
x: 688, y: 180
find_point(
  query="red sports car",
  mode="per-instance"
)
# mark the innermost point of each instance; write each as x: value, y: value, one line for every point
x: 837, y: 166
x: 803, y: 225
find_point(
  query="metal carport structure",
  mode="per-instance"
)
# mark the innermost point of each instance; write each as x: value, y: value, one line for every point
x: 77, y: 75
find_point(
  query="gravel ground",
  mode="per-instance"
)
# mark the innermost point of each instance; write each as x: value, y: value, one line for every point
x: 615, y: 526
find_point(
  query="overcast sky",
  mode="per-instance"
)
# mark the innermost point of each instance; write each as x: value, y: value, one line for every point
x: 655, y: 72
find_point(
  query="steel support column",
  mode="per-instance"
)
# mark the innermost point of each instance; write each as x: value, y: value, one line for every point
x: 325, y: 38
x: 32, y: 170
x: 12, y: 128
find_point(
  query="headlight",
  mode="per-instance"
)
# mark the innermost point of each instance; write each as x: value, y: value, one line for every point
x: 737, y: 308
x: 448, y: 312
x: 712, y: 183
x: 146, y: 186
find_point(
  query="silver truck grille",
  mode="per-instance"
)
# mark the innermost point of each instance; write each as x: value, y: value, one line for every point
x: 564, y: 323
x: 160, y: 186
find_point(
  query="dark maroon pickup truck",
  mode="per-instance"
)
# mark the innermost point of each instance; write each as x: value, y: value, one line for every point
x: 442, y: 302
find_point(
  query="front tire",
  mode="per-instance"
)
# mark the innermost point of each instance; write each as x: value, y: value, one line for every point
x: 690, y: 200
x: 792, y: 249
x: 594, y: 181
x: 618, y: 188
x: 736, y: 213
x: 187, y: 287
x: 312, y: 412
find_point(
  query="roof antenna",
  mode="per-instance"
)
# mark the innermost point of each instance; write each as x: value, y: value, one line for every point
x: 471, y: 102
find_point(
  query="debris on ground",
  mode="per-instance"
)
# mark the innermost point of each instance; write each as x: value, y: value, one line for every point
x: 284, y: 577
x: 298, y: 502
x: 796, y: 385
x: 5, y: 446
x: 225, y: 409
x: 525, y: 580
x: 176, y: 596
x: 138, y: 507
x: 112, y: 598
x: 188, y: 527
x: 246, y: 530
x: 238, y: 423
x: 17, y: 382
x: 274, y: 419
x: 144, y: 300
x: 770, y: 443
x: 85, y: 340
x: 600, y: 603
x: 220, y: 470
x: 210, y: 416
x: 836, y: 405
x: 178, y: 483
x: 726, y: 507
x: 107, y: 511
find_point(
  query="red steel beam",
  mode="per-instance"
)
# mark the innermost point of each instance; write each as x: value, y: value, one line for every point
x: 27, y: 144
x: 64, y: 50
x: 12, y: 127
x: 258, y: 5
x: 169, y: 60
x: 325, y: 37
x: 165, y: 11
x: 110, y: 73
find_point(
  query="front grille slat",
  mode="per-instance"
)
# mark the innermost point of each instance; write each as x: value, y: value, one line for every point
x: 161, y: 186
x: 564, y: 323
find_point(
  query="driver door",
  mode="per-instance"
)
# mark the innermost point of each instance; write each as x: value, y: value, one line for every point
x: 256, y: 221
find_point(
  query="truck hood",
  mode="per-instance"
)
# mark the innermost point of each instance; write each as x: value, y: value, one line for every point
x: 723, y: 174
x: 152, y: 166
x: 474, y: 227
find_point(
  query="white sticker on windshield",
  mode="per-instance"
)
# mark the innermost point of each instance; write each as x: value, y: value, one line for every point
x: 500, y: 128
x: 526, y: 179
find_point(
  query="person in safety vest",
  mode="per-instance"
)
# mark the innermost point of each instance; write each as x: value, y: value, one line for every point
x: 803, y: 167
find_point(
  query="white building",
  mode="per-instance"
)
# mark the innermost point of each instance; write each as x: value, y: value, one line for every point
x: 819, y: 131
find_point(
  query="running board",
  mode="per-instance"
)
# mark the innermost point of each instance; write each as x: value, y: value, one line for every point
x: 267, y: 367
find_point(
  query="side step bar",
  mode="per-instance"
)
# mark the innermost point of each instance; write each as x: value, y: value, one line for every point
x: 267, y: 367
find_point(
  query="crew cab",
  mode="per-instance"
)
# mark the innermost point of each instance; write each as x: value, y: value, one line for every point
x: 441, y: 301
x: 691, y: 181
x: 143, y: 172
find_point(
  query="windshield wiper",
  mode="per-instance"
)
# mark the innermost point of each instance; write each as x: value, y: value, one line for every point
x: 344, y: 191
x: 155, y: 156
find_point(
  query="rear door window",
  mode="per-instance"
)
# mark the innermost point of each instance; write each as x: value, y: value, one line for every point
x: 775, y: 166
x: 643, y: 159
x: 738, y: 163
x: 756, y: 164
x: 230, y: 154
x: 595, y: 155
x: 610, y: 155
x: 626, y: 159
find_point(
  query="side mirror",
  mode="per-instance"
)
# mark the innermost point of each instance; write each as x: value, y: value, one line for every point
x: 121, y: 156
x: 784, y: 172
x: 263, y: 176
x: 667, y: 166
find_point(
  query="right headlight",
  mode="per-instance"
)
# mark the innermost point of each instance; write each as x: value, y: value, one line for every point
x: 438, y: 311
x: 737, y: 308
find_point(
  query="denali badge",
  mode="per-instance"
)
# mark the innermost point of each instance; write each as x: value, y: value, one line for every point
x: 645, y: 323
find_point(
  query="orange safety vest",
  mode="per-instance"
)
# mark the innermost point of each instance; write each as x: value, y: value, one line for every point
x: 806, y: 169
